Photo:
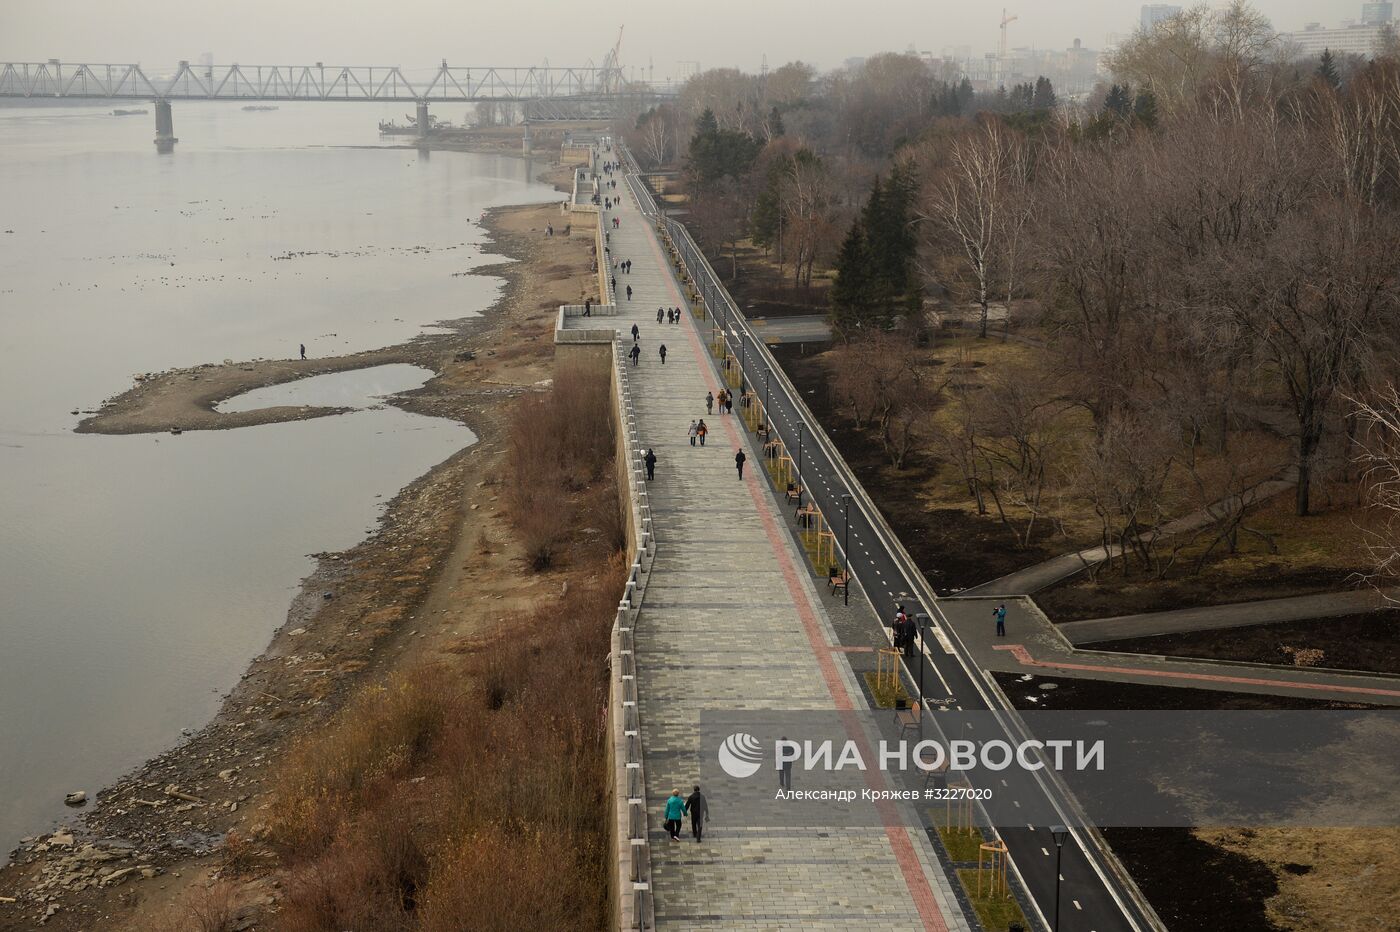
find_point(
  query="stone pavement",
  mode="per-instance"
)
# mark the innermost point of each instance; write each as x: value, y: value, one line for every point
x: 731, y: 620
x: 1032, y: 644
x: 1235, y: 615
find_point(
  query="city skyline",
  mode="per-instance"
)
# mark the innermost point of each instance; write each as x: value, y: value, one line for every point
x: 732, y: 33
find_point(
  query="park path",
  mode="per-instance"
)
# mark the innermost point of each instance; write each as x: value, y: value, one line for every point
x: 731, y: 621
x: 1233, y: 615
x: 1034, y: 645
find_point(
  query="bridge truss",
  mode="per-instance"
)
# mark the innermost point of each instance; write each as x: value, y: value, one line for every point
x: 309, y: 82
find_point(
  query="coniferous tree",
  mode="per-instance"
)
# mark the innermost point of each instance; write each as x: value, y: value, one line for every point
x: 1044, y: 98
x: 775, y: 123
x: 1145, y: 109
x: 851, y: 291
x: 1327, y: 69
x: 1119, y: 101
x: 965, y: 96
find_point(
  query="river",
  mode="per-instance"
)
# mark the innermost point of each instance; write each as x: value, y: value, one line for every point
x: 140, y: 574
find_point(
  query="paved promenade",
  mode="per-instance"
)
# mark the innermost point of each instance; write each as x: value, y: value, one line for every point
x: 732, y: 620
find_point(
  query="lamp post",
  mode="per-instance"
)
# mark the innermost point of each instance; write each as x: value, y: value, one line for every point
x: 800, y: 427
x: 846, y: 545
x: 1059, y: 833
x: 767, y: 417
x: 921, y: 622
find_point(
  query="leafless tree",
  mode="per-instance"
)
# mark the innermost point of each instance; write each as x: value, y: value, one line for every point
x: 1378, y: 455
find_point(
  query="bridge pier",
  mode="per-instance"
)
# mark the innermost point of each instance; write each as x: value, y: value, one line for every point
x: 422, y: 123
x: 165, y: 127
x: 525, y: 145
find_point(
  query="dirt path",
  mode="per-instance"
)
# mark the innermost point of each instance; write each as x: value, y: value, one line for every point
x: 440, y: 568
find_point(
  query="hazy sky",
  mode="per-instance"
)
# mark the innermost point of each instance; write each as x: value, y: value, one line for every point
x: 415, y: 33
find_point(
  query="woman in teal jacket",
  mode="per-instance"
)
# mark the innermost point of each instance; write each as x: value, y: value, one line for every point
x: 675, y: 812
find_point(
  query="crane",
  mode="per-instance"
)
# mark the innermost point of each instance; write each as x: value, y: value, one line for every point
x: 612, y: 67
x: 1001, y: 59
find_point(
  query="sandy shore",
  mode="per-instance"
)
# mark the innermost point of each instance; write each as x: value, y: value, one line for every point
x: 416, y: 587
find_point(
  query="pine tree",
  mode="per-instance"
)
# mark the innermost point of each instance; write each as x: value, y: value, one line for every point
x: 775, y: 123
x: 706, y: 125
x: 1119, y: 101
x: 965, y: 97
x: 1327, y: 69
x: 850, y: 292
x: 1145, y: 109
x: 1044, y: 98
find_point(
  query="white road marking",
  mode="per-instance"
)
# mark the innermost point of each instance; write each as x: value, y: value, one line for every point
x: 1044, y: 852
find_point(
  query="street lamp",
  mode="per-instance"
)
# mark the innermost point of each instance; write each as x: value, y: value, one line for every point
x: 1059, y: 833
x: 846, y: 546
x: 767, y: 418
x: 921, y: 622
x: 800, y: 426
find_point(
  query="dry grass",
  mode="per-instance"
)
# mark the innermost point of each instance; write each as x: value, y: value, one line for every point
x: 1329, y: 880
x: 476, y: 786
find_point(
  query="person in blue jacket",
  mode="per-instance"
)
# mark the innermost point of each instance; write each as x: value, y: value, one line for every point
x: 675, y: 812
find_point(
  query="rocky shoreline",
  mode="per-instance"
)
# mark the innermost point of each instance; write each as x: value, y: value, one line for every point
x: 190, y: 815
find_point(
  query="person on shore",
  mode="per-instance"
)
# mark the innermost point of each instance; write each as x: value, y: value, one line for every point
x: 691, y: 432
x: 303, y: 350
x: 662, y: 351
x: 739, y: 459
x: 1000, y: 613
x: 658, y: 315
x: 629, y: 290
x: 709, y: 402
x: 650, y: 461
x: 701, y: 431
x: 699, y: 809
x: 635, y: 333
x: 675, y: 812
x: 636, y: 353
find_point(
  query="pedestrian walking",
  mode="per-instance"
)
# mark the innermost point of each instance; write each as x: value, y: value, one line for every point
x: 675, y: 812
x: 739, y: 459
x: 635, y: 333
x: 662, y: 351
x: 650, y: 460
x: 701, y: 431
x: 629, y: 266
x: 587, y: 307
x: 613, y: 279
x: 303, y: 350
x: 678, y: 315
x: 629, y: 290
x: 1000, y: 613
x: 721, y: 401
x: 636, y: 353
x: 728, y: 402
x: 699, y: 809
x: 709, y: 402
x: 691, y: 432
x: 658, y: 315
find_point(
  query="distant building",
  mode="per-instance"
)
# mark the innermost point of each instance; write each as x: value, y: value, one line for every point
x: 1154, y: 13
x: 1349, y: 39
x: 1377, y: 14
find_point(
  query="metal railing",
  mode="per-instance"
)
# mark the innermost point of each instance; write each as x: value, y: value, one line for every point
x: 739, y: 340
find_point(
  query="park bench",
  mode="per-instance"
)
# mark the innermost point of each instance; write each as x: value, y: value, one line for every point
x: 838, y: 581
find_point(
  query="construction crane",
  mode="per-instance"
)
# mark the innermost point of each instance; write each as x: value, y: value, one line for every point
x: 1001, y: 60
x: 612, y: 67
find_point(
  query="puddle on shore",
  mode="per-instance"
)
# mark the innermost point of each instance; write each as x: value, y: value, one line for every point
x: 357, y: 389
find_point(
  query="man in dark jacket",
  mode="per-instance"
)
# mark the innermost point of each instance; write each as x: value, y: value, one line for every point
x: 739, y: 463
x: 699, y: 810
x: 650, y: 460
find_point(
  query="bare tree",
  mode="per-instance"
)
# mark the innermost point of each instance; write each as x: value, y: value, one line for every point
x: 1378, y: 455
x: 964, y: 201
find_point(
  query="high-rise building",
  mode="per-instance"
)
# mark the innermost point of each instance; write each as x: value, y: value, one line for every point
x: 1154, y: 13
x: 1377, y: 14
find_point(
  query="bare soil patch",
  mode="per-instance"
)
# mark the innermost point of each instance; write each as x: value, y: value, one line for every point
x: 1368, y: 641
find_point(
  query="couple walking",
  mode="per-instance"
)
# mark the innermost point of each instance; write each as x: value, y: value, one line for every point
x: 698, y: 430
x: 677, y: 808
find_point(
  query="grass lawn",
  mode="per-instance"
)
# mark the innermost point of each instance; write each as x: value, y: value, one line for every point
x: 959, y: 843
x: 885, y: 697
x: 996, y: 913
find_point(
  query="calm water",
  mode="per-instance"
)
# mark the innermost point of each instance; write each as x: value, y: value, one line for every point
x: 139, y: 575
